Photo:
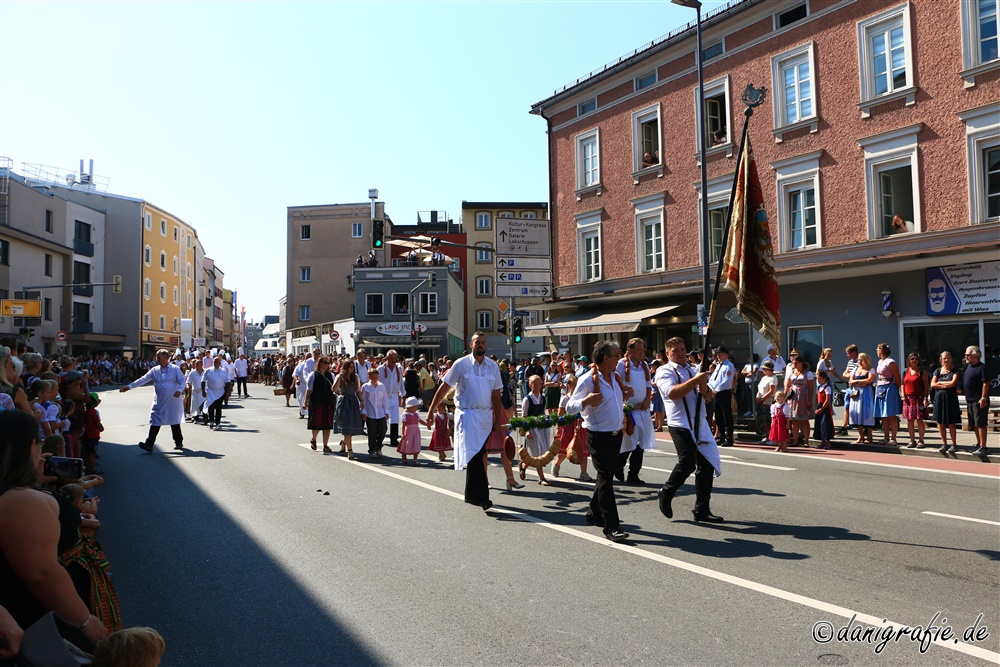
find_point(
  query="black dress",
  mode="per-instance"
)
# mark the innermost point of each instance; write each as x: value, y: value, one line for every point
x: 946, y: 408
x: 321, y: 401
x: 411, y: 383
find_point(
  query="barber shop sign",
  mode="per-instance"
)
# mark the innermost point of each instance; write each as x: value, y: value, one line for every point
x: 963, y: 289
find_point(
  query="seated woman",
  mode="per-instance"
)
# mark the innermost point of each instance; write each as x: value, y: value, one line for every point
x: 36, y: 528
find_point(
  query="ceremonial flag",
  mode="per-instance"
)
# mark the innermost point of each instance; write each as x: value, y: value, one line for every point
x: 749, y: 261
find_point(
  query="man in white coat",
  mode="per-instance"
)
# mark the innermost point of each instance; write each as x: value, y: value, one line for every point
x: 213, y: 389
x: 193, y: 380
x: 302, y: 372
x: 168, y: 406
x: 478, y: 413
x: 391, y: 376
x: 635, y: 373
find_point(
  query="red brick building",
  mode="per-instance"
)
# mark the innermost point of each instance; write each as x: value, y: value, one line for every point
x: 875, y: 108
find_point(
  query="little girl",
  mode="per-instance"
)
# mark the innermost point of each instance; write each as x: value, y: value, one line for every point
x: 823, y: 428
x: 410, y: 442
x: 568, y: 434
x: 536, y: 441
x: 779, y: 423
x: 440, y: 442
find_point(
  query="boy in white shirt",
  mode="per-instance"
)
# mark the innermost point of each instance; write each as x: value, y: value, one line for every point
x: 766, y: 389
x: 374, y: 412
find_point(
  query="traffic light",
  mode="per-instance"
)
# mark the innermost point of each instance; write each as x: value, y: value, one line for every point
x: 117, y: 288
x: 517, y: 330
x: 435, y: 242
x: 431, y: 279
x: 378, y: 233
x: 502, y: 325
x: 413, y: 335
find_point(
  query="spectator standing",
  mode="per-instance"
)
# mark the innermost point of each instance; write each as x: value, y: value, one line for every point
x: 887, y: 402
x: 241, y: 376
x: 916, y: 386
x: 947, y: 412
x: 852, y: 363
x: 977, y: 396
x: 721, y: 382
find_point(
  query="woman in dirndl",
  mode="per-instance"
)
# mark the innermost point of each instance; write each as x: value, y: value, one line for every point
x: 537, y: 440
x: 803, y: 383
x: 888, y: 405
x: 553, y: 388
x: 862, y: 394
x: 348, y: 421
x: 320, y: 399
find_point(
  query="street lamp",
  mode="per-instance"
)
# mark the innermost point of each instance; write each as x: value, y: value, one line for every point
x: 706, y: 256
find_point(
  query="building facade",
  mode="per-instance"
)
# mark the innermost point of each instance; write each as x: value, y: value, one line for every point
x: 875, y: 109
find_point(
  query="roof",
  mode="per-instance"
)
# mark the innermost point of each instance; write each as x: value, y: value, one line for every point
x: 503, y: 204
x: 271, y: 330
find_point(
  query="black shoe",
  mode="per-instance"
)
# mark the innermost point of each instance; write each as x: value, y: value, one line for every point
x: 635, y: 481
x: 709, y: 518
x: 595, y: 520
x: 665, y: 498
x: 620, y: 475
x: 616, y: 535
x: 943, y: 449
x: 146, y: 446
x: 486, y: 505
x: 178, y: 445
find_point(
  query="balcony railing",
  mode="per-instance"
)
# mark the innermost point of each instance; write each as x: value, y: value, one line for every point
x: 83, y: 290
x: 85, y: 248
x: 82, y: 327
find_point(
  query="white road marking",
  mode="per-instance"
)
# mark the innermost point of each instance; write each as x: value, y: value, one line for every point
x: 963, y: 518
x: 764, y: 589
x: 728, y: 458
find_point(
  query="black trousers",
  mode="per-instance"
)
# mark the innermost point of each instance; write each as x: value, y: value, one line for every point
x: 175, y: 430
x: 634, y: 460
x: 241, y: 382
x: 689, y: 460
x: 215, y: 411
x: 376, y: 433
x: 604, y: 450
x: 393, y: 435
x: 724, y: 414
x: 477, y: 485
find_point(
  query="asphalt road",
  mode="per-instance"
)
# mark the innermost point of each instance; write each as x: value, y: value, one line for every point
x: 234, y: 551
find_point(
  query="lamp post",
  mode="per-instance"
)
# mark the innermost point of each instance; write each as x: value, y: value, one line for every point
x: 706, y: 256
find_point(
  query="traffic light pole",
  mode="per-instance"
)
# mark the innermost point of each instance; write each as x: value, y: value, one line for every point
x: 510, y: 331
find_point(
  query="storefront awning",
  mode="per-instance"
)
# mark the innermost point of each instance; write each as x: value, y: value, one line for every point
x: 392, y: 341
x: 593, y: 322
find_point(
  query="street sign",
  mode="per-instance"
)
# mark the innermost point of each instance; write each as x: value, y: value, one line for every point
x: 522, y: 263
x: 523, y: 237
x: 61, y: 336
x: 564, y: 340
x: 21, y: 307
x: 502, y: 306
x: 334, y: 335
x: 525, y: 277
x: 523, y: 290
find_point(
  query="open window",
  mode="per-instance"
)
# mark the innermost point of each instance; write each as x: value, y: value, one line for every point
x: 646, y: 141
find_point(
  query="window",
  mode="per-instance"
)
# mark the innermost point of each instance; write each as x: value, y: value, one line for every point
x: 588, y: 238
x: 175, y: 265
x: 717, y: 227
x: 649, y: 233
x: 401, y: 304
x: 147, y: 255
x: 81, y: 311
x: 483, y: 220
x: 891, y: 183
x: 588, y: 161
x: 81, y: 231
x: 791, y: 16
x: 189, y: 270
x: 163, y: 322
x: 808, y: 340
x: 177, y: 296
x: 163, y: 227
x: 982, y: 136
x: 528, y: 215
x: 4, y: 253
x: 886, y: 58
x: 356, y: 230
x: 373, y: 304
x: 163, y: 260
x: 145, y: 320
x: 484, y: 320
x: 149, y: 220
x: 305, y: 274
x: 48, y: 222
x: 646, y: 138
x: 305, y: 232
x: 712, y: 51
x: 798, y: 201
x: 47, y: 309
x: 303, y: 313
x: 587, y: 106
x: 190, y: 300
x: 794, y: 101
x: 48, y: 264
x: 177, y: 324
x: 645, y: 80
x: 718, y: 212
x: 715, y: 113
x: 175, y: 232
x: 147, y: 289
x: 979, y: 38
x: 81, y: 273
x: 428, y: 303
x: 505, y: 214
x: 484, y: 256
x: 163, y: 292
x: 484, y: 286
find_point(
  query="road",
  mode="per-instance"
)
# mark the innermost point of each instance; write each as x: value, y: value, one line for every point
x: 248, y: 548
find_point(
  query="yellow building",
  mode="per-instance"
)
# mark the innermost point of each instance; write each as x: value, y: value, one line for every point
x: 170, y: 266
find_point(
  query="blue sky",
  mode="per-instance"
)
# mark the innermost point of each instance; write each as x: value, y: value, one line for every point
x: 226, y: 113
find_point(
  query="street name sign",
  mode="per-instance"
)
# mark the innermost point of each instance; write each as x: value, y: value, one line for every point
x: 525, y: 277
x: 523, y: 290
x: 523, y: 237
x: 522, y: 263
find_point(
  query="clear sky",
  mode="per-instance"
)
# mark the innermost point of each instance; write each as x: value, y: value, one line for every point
x: 226, y: 113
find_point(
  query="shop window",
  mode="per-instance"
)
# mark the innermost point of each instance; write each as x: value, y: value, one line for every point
x: 808, y: 341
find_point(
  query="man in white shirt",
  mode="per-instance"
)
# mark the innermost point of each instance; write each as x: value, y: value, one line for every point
x: 598, y: 399
x: 391, y: 377
x: 682, y: 389
x: 374, y: 412
x: 302, y: 371
x: 779, y: 364
x: 213, y: 389
x: 721, y: 384
x: 361, y: 364
x: 478, y: 413
x: 193, y: 385
x: 634, y: 371
x: 241, y: 376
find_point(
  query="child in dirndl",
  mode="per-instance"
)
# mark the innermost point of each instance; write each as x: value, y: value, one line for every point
x: 779, y: 423
x: 440, y: 442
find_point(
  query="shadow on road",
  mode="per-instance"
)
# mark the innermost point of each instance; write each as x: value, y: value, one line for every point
x: 208, y: 587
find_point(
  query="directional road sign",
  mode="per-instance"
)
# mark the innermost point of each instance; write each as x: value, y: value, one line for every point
x: 21, y: 308
x: 523, y: 237
x: 525, y: 277
x: 522, y: 263
x: 523, y: 290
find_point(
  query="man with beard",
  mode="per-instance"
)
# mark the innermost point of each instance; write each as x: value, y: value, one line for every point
x: 391, y: 375
x: 478, y: 413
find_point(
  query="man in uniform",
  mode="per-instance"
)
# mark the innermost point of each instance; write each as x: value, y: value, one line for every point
x: 634, y: 372
x: 391, y: 376
x: 168, y: 406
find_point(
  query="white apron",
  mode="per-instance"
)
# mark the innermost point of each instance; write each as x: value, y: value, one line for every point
x: 393, y: 387
x: 216, y: 377
x: 166, y: 410
x: 194, y: 379
x: 643, y: 435
x: 473, y: 418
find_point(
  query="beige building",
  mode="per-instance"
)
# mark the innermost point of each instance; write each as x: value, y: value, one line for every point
x: 323, y: 245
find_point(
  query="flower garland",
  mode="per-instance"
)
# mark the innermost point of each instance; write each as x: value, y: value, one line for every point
x: 628, y: 408
x: 525, y: 424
